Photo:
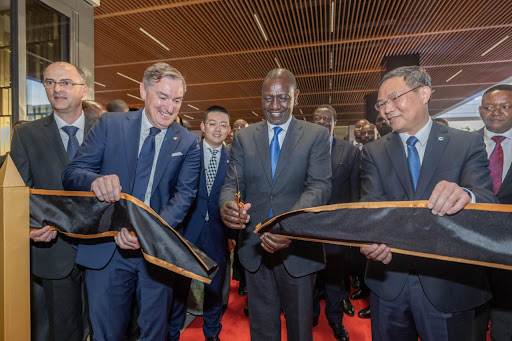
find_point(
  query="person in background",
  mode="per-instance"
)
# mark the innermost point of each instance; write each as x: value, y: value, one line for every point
x: 368, y: 133
x: 357, y: 133
x: 92, y: 108
x: 383, y: 126
x: 442, y: 121
x: 117, y: 105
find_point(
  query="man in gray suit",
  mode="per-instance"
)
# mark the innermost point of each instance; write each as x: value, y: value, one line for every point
x: 422, y: 160
x: 283, y: 164
x: 41, y: 150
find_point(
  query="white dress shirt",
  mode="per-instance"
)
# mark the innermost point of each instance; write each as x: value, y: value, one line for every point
x: 208, y: 154
x: 506, y: 144
x: 159, y: 138
x: 79, y: 123
x: 281, y: 135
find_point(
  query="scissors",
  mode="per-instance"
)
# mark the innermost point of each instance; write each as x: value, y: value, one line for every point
x: 237, y: 196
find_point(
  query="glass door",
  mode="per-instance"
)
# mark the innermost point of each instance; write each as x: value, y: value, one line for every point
x: 5, y: 76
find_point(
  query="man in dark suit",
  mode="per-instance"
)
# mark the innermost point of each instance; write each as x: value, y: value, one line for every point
x: 144, y: 154
x: 283, y: 164
x: 496, y: 113
x: 41, y: 149
x: 203, y: 226
x: 422, y: 160
x: 345, y: 188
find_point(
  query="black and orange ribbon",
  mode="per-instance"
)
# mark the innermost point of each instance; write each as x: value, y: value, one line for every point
x: 480, y: 234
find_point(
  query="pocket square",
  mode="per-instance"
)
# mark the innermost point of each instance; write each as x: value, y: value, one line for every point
x: 177, y: 154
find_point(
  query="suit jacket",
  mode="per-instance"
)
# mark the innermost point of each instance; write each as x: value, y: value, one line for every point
x: 112, y: 147
x: 302, y: 179
x: 40, y: 156
x: 345, y: 158
x: 451, y: 155
x: 193, y: 225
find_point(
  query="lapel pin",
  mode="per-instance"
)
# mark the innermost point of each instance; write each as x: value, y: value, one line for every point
x: 175, y: 138
x: 440, y: 138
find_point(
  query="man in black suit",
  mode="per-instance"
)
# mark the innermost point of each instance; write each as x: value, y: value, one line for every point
x: 496, y: 113
x: 41, y: 149
x: 283, y: 164
x: 345, y: 188
x: 422, y: 160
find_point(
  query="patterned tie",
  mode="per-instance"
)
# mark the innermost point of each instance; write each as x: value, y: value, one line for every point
x: 274, y: 155
x: 211, y: 171
x: 496, y: 163
x: 145, y: 164
x: 72, y: 142
x: 414, y: 160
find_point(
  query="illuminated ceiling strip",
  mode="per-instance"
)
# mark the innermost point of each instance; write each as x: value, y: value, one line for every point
x: 277, y: 62
x: 135, y: 97
x: 304, y: 119
x: 301, y: 112
x: 188, y: 116
x: 153, y: 38
x: 255, y: 113
x: 494, y: 46
x: 193, y: 107
x: 332, y: 16
x: 260, y: 27
x: 330, y: 61
x: 452, y: 77
x: 125, y: 76
x: 103, y: 85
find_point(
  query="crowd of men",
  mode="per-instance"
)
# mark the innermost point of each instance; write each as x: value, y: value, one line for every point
x: 277, y: 165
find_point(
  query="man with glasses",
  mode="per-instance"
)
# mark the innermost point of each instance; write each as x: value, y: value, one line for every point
x: 422, y: 160
x: 145, y: 154
x: 41, y: 150
x: 203, y: 226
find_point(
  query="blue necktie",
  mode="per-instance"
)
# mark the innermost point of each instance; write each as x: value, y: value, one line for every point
x: 274, y: 155
x: 414, y: 160
x: 144, y: 165
x: 73, y: 144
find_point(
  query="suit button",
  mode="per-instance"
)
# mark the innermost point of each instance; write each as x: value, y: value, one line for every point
x: 208, y: 200
x: 272, y: 197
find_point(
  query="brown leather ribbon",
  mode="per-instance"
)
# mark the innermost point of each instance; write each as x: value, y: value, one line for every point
x: 480, y: 234
x: 82, y: 215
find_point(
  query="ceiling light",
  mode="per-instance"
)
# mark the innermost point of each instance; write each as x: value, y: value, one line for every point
x: 277, y: 62
x: 330, y: 83
x: 330, y: 61
x: 494, y: 46
x: 304, y: 119
x: 452, y: 77
x: 125, y: 76
x: 103, y: 85
x: 193, y: 107
x: 301, y: 112
x: 330, y: 99
x: 332, y: 16
x: 135, y: 97
x: 187, y: 116
x: 255, y: 113
x: 260, y: 27
x: 154, y: 39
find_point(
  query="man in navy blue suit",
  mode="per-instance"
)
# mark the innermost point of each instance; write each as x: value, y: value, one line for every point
x: 422, y: 160
x: 203, y: 226
x: 144, y: 154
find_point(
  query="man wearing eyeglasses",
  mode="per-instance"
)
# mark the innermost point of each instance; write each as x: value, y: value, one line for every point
x: 203, y: 226
x: 422, y: 160
x: 41, y: 150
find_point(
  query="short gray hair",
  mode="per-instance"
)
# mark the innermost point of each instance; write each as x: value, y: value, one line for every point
x: 157, y: 71
x: 282, y: 73
x: 413, y: 76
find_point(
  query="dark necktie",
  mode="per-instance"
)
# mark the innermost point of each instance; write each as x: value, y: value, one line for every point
x: 145, y: 164
x: 274, y: 155
x: 73, y: 144
x: 414, y: 160
x: 496, y: 163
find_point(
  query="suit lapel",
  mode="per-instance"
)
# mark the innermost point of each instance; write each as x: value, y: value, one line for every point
x: 53, y: 135
x: 221, y: 169
x: 437, y: 142
x: 263, y: 147
x: 169, y: 144
x: 396, y: 153
x: 336, y: 154
x: 131, y: 137
x: 290, y: 141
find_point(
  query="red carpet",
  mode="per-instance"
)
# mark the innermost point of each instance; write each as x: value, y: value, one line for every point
x: 235, y: 326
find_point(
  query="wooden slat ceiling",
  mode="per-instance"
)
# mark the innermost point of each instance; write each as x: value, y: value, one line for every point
x: 336, y: 49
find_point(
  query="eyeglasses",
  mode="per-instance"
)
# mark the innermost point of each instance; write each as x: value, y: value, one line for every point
x: 213, y: 124
x: 392, y: 99
x: 66, y: 85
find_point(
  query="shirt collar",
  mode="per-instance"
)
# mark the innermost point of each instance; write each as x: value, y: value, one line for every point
x: 206, y: 146
x: 146, y: 125
x: 488, y: 134
x: 283, y: 126
x: 421, y: 135
x: 79, y: 123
